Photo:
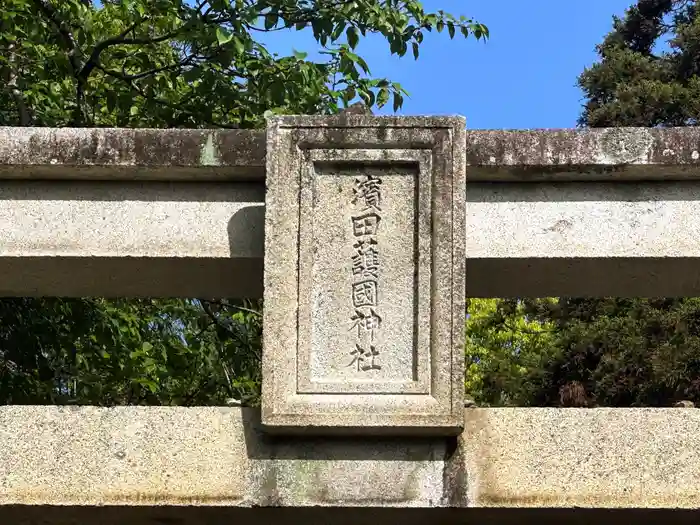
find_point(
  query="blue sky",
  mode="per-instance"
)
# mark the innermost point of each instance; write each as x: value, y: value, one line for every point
x: 524, y: 76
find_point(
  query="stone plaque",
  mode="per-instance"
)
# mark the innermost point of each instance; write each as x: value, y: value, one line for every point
x: 364, y: 275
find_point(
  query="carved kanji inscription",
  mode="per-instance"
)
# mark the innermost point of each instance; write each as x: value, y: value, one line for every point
x: 363, y: 273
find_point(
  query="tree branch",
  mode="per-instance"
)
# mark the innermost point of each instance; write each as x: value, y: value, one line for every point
x: 165, y: 103
x: 227, y: 329
x: 215, y: 318
x: 226, y: 304
x: 25, y: 118
x: 121, y: 39
x: 73, y: 50
x: 94, y: 58
x: 71, y: 46
x: 130, y: 78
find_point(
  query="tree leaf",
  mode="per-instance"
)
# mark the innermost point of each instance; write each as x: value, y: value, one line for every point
x: 271, y: 20
x: 363, y: 65
x: 223, y: 36
x: 352, y: 36
x: 398, y: 101
x: 382, y: 97
x: 238, y: 45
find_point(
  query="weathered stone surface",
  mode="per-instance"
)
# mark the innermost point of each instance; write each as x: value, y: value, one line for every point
x: 514, y: 155
x: 595, y: 458
x: 126, y: 456
x: 602, y: 154
x: 364, y: 286
x: 523, y: 239
x: 205, y: 458
x: 192, y: 239
x: 583, y: 239
x: 131, y: 154
x: 145, y: 456
x: 213, y: 465
x: 89, y: 238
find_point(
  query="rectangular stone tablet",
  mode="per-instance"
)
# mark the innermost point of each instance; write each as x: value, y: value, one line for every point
x: 364, y: 275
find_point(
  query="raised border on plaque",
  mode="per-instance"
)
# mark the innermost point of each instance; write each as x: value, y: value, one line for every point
x: 433, y: 402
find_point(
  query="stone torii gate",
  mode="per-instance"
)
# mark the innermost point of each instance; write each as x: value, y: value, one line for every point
x: 372, y: 228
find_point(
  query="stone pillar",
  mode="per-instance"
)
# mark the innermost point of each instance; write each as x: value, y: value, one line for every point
x: 364, y: 275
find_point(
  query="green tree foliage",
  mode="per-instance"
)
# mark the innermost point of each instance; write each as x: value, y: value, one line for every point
x: 128, y: 352
x: 638, y: 80
x: 506, y: 349
x: 171, y: 63
x: 623, y: 352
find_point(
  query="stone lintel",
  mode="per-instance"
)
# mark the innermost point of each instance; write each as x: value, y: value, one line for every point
x: 492, y: 155
x: 188, y: 239
x: 131, y: 238
x: 364, y: 275
x: 163, y: 460
x: 594, y: 154
x: 131, y: 154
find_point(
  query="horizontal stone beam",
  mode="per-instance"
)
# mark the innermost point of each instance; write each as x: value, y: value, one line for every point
x: 205, y: 239
x: 492, y: 155
x: 131, y: 239
x: 217, y: 458
x: 131, y: 154
x: 583, y: 239
x: 602, y: 154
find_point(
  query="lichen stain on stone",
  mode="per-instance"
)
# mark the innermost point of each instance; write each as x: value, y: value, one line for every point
x: 555, y: 148
x: 625, y: 145
x: 561, y: 226
x: 114, y: 147
x: 498, y: 498
x: 455, y: 478
x: 160, y: 498
x: 575, y: 149
x: 126, y: 496
x: 411, y: 488
x: 323, y: 492
x: 44, y: 147
x: 208, y: 155
x: 75, y: 147
x: 628, y: 497
x: 268, y: 494
x: 523, y: 148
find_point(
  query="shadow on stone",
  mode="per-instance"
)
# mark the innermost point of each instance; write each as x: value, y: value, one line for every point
x: 261, y: 445
x: 119, y: 190
x: 176, y: 515
x: 582, y: 191
x: 246, y: 232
